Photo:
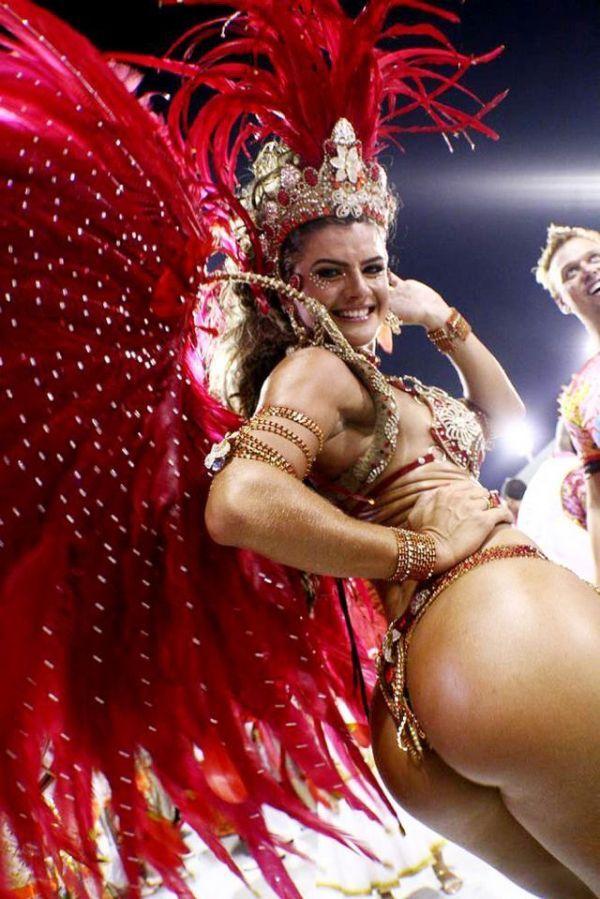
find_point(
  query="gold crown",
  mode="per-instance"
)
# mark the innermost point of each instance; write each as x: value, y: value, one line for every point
x: 286, y: 193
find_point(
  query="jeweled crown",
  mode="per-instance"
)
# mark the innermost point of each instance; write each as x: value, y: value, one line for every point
x: 286, y: 193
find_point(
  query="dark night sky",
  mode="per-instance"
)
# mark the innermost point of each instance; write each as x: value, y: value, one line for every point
x: 473, y: 222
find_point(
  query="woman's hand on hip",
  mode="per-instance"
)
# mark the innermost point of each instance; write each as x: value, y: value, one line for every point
x: 459, y: 517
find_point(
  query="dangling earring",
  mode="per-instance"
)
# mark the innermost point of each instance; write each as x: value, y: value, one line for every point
x: 297, y: 326
x: 391, y: 325
x: 288, y: 306
x: 300, y: 329
x: 393, y: 322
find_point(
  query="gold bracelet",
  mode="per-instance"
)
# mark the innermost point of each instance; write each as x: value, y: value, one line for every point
x: 456, y: 328
x: 402, y: 566
x: 425, y: 556
x: 249, y: 447
x: 274, y: 427
x: 416, y: 556
x: 298, y: 417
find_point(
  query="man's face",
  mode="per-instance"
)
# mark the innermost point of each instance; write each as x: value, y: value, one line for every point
x: 575, y: 275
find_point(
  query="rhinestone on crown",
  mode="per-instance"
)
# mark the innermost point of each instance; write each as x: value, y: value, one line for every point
x: 285, y: 193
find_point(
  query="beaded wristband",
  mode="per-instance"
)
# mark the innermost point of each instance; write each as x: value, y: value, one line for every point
x: 456, y: 328
x: 416, y: 556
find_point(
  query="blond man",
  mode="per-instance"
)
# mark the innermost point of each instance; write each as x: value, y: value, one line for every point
x: 569, y: 268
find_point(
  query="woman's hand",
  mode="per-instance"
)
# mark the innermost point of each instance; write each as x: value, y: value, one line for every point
x: 417, y: 304
x: 459, y: 518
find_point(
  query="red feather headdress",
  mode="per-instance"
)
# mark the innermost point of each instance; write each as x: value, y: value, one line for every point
x: 293, y: 70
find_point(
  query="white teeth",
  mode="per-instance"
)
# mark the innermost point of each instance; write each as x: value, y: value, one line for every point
x: 353, y: 314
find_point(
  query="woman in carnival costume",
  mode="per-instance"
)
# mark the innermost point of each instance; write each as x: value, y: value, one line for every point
x: 475, y: 735
x: 126, y: 632
x: 569, y: 268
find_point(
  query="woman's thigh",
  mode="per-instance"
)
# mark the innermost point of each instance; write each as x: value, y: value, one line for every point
x: 470, y: 814
x: 504, y: 676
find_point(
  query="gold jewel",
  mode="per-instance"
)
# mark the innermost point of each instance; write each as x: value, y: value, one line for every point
x: 384, y: 337
x: 242, y: 444
x: 219, y: 454
x: 391, y: 325
x: 400, y: 572
x: 394, y: 323
x: 300, y: 330
x: 274, y: 427
x: 456, y: 328
x: 298, y: 417
x: 416, y: 556
x: 285, y: 192
x: 320, y: 282
x: 450, y: 882
x: 249, y: 447
x: 494, y: 499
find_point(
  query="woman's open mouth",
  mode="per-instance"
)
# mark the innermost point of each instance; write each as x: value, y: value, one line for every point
x: 355, y: 314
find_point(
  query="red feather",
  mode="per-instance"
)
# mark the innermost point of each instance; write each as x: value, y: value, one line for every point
x: 123, y: 628
x: 295, y: 69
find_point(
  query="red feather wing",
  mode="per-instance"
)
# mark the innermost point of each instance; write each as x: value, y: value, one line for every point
x: 122, y: 627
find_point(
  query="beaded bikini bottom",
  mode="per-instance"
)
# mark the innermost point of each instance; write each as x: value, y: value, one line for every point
x: 392, y: 658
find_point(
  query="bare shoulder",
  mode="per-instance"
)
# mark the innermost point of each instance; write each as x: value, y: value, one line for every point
x: 313, y: 375
x: 312, y: 363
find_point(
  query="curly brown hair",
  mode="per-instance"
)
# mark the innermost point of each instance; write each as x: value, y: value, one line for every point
x: 255, y: 342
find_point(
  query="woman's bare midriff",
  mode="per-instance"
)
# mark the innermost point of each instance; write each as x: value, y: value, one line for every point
x: 393, y: 507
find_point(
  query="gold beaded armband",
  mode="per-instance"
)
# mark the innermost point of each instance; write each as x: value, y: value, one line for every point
x: 249, y: 447
x: 274, y: 427
x: 456, y: 328
x: 244, y: 444
x: 298, y: 418
x: 416, y: 556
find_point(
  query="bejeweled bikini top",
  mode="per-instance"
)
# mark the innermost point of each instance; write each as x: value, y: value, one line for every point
x: 458, y: 428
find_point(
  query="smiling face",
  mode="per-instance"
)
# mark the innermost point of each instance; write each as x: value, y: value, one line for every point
x: 575, y: 275
x: 345, y: 268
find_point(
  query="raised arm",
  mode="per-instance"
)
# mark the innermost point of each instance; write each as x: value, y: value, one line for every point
x: 257, y: 506
x: 483, y: 379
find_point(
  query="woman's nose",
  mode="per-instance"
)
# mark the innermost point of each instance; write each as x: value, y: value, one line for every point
x: 356, y: 283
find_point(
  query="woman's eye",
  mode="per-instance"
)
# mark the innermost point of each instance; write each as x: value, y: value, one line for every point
x: 570, y: 273
x: 374, y: 270
x: 328, y: 274
x: 595, y: 257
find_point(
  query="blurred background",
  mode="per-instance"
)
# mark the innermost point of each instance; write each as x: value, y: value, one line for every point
x: 473, y: 221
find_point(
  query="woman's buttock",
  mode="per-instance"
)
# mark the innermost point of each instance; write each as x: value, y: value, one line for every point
x: 498, y: 657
